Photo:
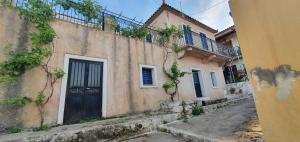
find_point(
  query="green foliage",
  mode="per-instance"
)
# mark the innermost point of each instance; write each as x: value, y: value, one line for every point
x: 168, y: 85
x: 42, y: 128
x: 40, y: 98
x: 197, y: 110
x: 19, y: 60
x: 6, y: 3
x: 177, y: 48
x: 59, y: 73
x: 14, y: 130
x: 111, y: 21
x: 174, y: 74
x: 37, y: 12
x: 135, y: 32
x: 97, y: 26
x: 88, y: 8
x: 166, y: 33
x: 18, y: 100
x: 42, y: 37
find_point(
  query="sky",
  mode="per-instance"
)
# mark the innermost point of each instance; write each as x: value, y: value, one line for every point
x: 214, y: 13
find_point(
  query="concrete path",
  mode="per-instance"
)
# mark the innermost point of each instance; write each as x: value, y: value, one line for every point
x: 156, y: 137
x: 215, y: 126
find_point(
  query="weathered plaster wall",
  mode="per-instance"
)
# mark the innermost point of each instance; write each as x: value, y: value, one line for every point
x: 268, y: 31
x: 124, y: 55
x: 168, y: 18
x: 10, y: 26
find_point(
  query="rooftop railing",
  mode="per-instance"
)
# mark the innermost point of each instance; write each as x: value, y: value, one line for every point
x: 122, y: 22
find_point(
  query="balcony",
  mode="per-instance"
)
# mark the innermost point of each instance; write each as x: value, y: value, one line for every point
x: 206, y: 44
x: 235, y: 52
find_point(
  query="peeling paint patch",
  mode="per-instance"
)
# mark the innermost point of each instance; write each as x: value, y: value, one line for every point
x: 281, y: 77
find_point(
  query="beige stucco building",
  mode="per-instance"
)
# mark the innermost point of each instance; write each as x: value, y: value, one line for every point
x: 110, y: 74
x: 234, y: 70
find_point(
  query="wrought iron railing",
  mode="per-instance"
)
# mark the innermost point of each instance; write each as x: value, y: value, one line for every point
x: 122, y: 22
x: 235, y: 52
x: 207, y: 44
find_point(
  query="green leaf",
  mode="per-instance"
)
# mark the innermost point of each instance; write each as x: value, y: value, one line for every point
x: 40, y: 98
x: 19, y: 100
x: 59, y: 73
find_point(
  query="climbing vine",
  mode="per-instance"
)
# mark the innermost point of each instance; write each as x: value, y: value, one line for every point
x: 88, y: 8
x: 168, y: 38
x: 135, y: 32
x: 39, y: 14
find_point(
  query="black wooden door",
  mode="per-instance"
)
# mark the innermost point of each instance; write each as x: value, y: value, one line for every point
x: 197, y: 84
x: 84, y: 91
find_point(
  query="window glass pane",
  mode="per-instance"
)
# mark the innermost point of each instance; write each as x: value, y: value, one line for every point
x: 149, y: 38
x: 213, y: 79
x: 147, y: 76
x: 204, y: 41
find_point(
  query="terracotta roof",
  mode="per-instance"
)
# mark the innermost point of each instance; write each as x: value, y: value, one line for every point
x: 225, y: 32
x: 178, y: 13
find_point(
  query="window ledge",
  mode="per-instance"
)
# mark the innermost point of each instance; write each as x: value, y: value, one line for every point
x: 148, y: 86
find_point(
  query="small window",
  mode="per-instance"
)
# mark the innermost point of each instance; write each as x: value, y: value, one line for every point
x: 149, y: 38
x: 147, y: 76
x: 214, y: 80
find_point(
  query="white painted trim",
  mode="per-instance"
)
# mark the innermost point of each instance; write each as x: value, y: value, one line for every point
x: 65, y: 81
x: 218, y: 85
x: 201, y: 79
x: 154, y: 76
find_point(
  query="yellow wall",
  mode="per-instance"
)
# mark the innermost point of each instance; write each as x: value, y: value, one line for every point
x: 268, y: 31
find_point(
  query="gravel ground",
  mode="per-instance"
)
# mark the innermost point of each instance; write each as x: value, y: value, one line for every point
x: 156, y: 137
x: 250, y: 131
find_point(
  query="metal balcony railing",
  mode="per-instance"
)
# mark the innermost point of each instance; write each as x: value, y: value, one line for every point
x: 207, y: 44
x: 235, y: 52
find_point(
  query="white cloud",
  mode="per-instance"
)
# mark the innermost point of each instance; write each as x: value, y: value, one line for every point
x: 215, y: 15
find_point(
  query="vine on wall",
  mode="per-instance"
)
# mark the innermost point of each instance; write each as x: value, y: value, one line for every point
x: 169, y: 38
x: 39, y: 14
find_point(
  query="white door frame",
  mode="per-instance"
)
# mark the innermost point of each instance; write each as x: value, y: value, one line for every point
x: 67, y: 58
x: 201, y: 79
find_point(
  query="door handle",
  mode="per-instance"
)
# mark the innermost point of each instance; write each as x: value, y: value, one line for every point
x: 88, y: 88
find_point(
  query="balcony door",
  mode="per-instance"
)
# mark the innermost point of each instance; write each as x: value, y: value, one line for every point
x: 204, y: 41
x: 188, y: 35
